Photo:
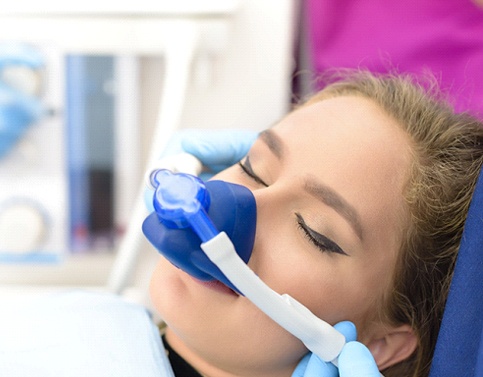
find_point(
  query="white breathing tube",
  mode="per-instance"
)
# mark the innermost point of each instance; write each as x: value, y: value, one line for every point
x: 318, y: 336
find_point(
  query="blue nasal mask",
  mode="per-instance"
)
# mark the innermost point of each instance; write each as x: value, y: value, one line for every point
x: 192, y: 210
x: 208, y: 230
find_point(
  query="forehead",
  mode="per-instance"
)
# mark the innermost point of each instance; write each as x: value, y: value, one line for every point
x: 347, y: 127
x: 346, y: 114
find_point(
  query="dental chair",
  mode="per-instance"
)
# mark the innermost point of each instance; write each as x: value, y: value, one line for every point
x: 459, y: 349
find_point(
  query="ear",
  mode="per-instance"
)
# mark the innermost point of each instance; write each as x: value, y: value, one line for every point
x: 393, y: 346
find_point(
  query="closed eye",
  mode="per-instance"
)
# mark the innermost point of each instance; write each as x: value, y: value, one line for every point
x: 248, y: 170
x: 320, y: 241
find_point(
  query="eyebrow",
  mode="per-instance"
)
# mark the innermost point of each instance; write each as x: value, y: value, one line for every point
x: 273, y: 142
x: 321, y: 192
x: 331, y: 198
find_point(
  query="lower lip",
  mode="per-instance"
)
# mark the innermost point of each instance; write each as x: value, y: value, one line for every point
x: 217, y: 286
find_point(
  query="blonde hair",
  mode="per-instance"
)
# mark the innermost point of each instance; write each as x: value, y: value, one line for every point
x: 448, y: 156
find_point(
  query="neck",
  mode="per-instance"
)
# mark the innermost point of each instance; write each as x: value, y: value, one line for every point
x: 213, y: 369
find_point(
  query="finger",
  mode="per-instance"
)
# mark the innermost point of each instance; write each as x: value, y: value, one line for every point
x: 356, y: 360
x: 348, y: 329
x: 302, y: 366
x: 215, y: 147
x: 173, y: 146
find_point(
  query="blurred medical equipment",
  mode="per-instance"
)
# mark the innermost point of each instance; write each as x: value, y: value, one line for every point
x: 221, y: 48
x: 91, y: 122
x: 31, y: 163
x: 232, y: 79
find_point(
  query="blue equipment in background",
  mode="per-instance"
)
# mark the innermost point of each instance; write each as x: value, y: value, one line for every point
x: 18, y: 108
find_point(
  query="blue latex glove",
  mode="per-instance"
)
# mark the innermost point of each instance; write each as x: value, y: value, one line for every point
x: 355, y: 360
x: 216, y: 149
x: 12, y: 53
x: 18, y: 110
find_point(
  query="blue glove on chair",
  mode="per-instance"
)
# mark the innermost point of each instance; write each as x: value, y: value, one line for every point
x: 216, y: 149
x: 355, y: 359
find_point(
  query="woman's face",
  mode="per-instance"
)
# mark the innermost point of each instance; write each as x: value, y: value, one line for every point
x: 328, y: 182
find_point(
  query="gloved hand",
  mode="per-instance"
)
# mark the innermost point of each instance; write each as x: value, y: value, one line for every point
x: 18, y: 109
x: 216, y: 149
x: 17, y: 112
x: 355, y: 360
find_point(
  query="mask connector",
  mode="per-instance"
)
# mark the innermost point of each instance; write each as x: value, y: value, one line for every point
x: 180, y: 201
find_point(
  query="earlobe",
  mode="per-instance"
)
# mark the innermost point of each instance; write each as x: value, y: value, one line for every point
x: 394, y: 346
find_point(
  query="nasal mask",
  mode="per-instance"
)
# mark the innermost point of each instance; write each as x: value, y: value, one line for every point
x: 208, y: 230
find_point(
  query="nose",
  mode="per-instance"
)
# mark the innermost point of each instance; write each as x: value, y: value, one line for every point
x: 271, y: 201
x: 272, y: 212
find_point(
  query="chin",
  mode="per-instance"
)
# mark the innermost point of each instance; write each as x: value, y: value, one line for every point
x: 217, y: 324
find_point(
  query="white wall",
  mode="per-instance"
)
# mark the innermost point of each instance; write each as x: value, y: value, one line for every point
x: 249, y: 85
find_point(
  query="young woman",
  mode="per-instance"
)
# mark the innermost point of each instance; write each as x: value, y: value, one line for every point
x: 361, y: 195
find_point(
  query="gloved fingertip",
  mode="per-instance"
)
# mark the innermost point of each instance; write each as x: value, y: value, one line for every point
x: 319, y: 368
x: 219, y: 146
x: 174, y: 145
x: 199, y: 148
x: 301, y: 366
x: 348, y: 329
x: 356, y: 359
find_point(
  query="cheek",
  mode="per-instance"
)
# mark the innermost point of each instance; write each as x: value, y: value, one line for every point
x: 164, y: 288
x: 331, y: 286
x: 334, y: 287
x: 172, y: 294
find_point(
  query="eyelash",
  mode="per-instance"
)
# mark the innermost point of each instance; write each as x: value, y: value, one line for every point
x: 321, y: 242
x: 247, y: 169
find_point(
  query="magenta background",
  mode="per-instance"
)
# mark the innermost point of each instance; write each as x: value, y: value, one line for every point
x: 443, y: 36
